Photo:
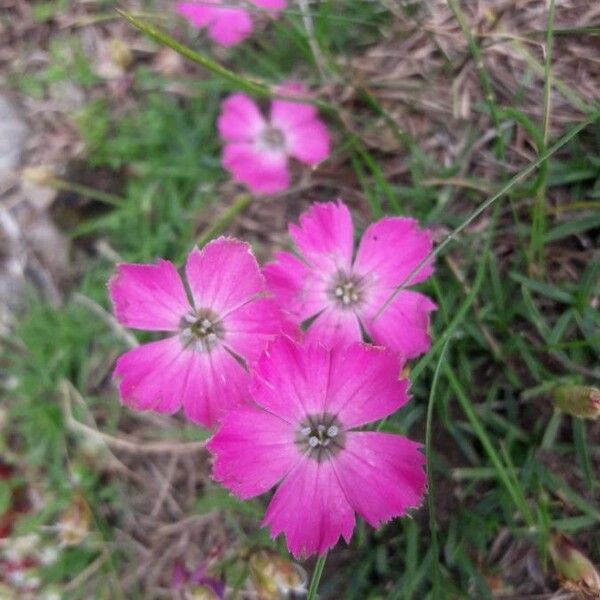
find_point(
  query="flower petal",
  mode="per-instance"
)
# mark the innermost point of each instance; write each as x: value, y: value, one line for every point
x: 253, y: 451
x: 298, y: 290
x: 240, y: 119
x: 307, y: 137
x: 148, y: 297
x: 364, y: 384
x: 288, y: 115
x: 263, y: 172
x: 309, y: 142
x: 223, y: 276
x: 290, y: 379
x: 163, y: 376
x: 334, y: 327
x: 381, y: 474
x: 310, y: 509
x: 217, y: 384
x: 251, y: 327
x: 199, y: 14
x: 324, y: 237
x: 230, y: 26
x: 390, y: 249
x: 403, y: 326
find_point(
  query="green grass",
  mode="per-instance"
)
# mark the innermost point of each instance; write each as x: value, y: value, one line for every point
x: 505, y: 332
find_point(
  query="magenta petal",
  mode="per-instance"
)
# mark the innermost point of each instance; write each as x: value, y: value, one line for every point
x: 309, y: 142
x: 199, y: 14
x: 404, y: 325
x: 148, y: 296
x: 253, y: 451
x: 223, y: 276
x: 289, y: 115
x: 217, y: 383
x: 163, y: 376
x: 263, y: 172
x: 230, y: 26
x: 152, y: 376
x: 240, y: 119
x: 325, y: 237
x: 390, y: 249
x: 333, y: 327
x: 296, y: 288
x: 290, y: 379
x: 310, y: 509
x: 381, y: 474
x: 251, y: 327
x: 364, y: 384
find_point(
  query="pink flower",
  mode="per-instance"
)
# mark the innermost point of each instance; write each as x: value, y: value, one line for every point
x: 256, y: 149
x: 299, y: 434
x: 227, y: 23
x: 227, y: 323
x: 343, y: 294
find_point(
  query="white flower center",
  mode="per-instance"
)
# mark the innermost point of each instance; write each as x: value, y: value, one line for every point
x: 320, y: 436
x: 202, y: 330
x: 346, y: 290
x: 272, y: 138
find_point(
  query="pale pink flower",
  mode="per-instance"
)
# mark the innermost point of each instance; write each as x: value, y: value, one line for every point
x: 228, y: 21
x: 341, y: 293
x: 299, y: 435
x: 257, y: 149
x: 227, y: 323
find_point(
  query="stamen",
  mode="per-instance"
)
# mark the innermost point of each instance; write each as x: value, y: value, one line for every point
x: 347, y: 289
x: 320, y: 436
x: 201, y: 330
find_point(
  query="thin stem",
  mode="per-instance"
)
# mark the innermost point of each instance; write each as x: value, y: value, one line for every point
x: 316, y: 577
x: 542, y: 158
x: 429, y: 457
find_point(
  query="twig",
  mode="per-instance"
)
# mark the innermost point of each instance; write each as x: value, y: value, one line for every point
x: 134, y: 447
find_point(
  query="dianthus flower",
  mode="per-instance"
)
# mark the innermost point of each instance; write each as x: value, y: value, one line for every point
x: 257, y: 150
x: 299, y: 434
x: 228, y: 322
x: 228, y: 22
x: 341, y: 296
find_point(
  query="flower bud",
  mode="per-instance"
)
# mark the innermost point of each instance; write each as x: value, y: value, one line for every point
x: 578, y: 400
x: 42, y: 176
x: 74, y: 523
x: 572, y: 565
x: 120, y: 54
x: 275, y: 577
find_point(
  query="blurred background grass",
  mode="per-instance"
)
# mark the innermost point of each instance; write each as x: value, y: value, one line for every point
x: 433, y: 107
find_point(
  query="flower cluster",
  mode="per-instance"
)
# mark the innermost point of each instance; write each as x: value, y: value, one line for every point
x: 228, y: 21
x: 288, y: 363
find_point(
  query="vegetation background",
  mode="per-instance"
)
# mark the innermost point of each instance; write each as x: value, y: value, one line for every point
x: 109, y: 153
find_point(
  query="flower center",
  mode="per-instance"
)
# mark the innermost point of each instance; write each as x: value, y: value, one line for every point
x: 202, y: 329
x: 273, y: 138
x: 320, y: 436
x: 346, y: 290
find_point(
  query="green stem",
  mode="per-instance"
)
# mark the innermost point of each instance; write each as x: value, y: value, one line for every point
x: 431, y: 494
x: 316, y: 577
x: 240, y: 204
x: 84, y: 190
x: 249, y: 85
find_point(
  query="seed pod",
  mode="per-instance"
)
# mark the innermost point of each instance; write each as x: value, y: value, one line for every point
x: 578, y: 400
